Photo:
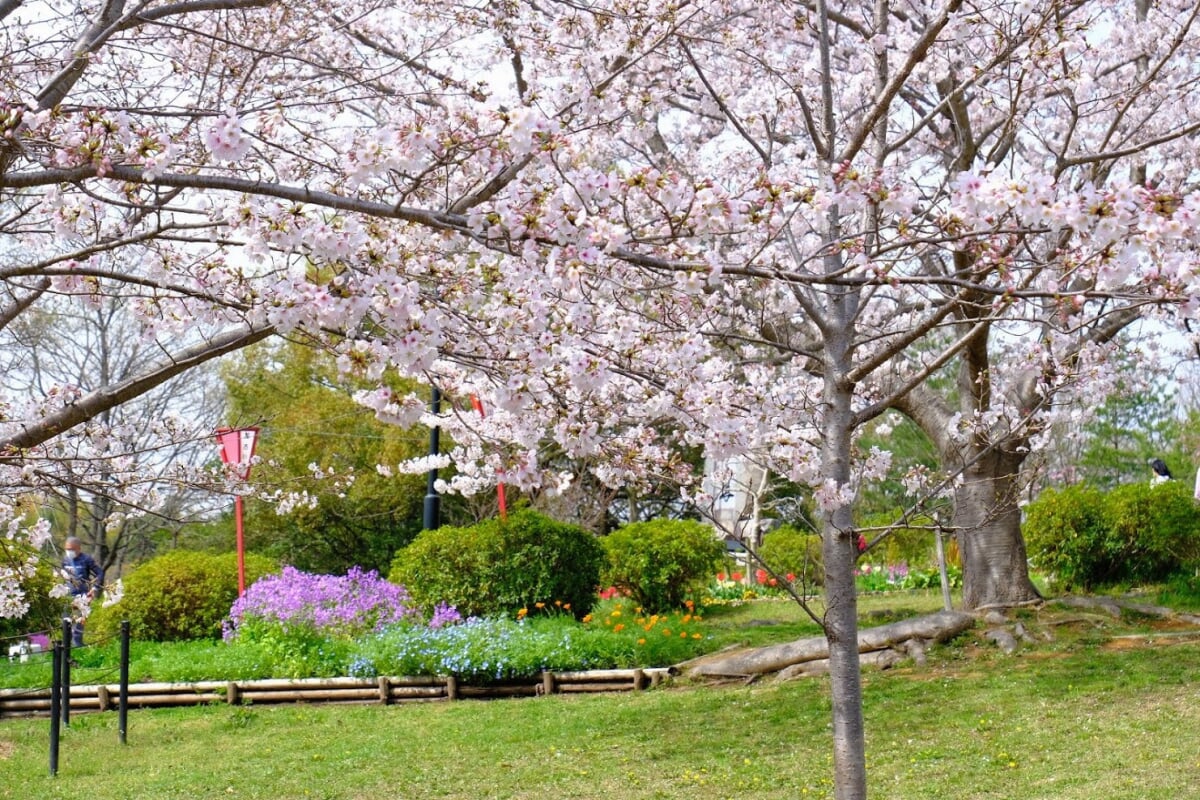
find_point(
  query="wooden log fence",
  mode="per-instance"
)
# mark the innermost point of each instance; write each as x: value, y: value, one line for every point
x: 383, y: 690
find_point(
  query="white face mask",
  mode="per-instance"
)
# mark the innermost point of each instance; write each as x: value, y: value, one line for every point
x: 70, y: 555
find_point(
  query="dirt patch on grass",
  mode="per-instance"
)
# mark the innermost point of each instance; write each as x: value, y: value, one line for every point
x: 6, y: 750
x: 1163, y: 639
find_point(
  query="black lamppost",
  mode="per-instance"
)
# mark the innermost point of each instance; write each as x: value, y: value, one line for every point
x: 433, y: 501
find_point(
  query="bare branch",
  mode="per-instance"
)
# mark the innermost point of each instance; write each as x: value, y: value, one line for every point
x: 883, y: 103
x: 108, y: 397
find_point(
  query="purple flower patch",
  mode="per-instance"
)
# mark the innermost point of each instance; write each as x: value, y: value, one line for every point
x: 336, y: 605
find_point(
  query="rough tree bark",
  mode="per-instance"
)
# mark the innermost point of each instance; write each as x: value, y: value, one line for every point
x: 988, y: 524
x: 762, y: 660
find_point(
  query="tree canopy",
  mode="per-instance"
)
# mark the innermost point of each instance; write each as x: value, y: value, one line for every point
x: 629, y: 230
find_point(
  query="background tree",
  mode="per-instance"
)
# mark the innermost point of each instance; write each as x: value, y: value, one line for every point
x: 316, y: 441
x: 85, y: 347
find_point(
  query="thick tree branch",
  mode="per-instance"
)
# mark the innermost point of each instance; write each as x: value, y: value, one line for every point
x: 113, y: 19
x: 20, y: 304
x: 101, y: 400
x: 883, y: 103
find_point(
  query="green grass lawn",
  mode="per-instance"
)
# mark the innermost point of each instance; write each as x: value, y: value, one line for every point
x: 1089, y: 715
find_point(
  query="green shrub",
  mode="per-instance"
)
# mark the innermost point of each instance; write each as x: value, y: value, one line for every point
x: 1136, y: 533
x: 659, y: 563
x: 931, y: 578
x: 1181, y: 592
x: 1066, y: 534
x: 913, y: 546
x: 45, y: 612
x: 178, y: 596
x: 791, y: 551
x: 499, y: 567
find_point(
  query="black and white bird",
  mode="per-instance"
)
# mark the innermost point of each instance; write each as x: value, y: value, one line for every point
x: 1161, y: 473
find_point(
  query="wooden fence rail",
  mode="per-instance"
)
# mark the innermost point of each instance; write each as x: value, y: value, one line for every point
x: 384, y: 690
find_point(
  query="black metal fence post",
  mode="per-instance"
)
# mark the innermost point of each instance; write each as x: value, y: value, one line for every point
x: 123, y: 703
x: 68, y: 632
x: 55, y: 701
x: 432, y: 510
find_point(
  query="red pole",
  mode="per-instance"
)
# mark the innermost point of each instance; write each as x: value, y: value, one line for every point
x: 241, y: 545
x: 478, y: 404
x: 237, y: 449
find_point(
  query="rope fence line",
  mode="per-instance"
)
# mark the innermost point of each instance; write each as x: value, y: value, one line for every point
x: 25, y: 636
x: 383, y: 690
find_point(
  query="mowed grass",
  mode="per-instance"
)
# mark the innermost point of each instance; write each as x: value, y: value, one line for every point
x: 1086, y: 716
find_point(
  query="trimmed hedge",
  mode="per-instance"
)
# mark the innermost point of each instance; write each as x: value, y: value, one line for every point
x: 788, y: 550
x: 501, y: 567
x: 1136, y: 533
x: 178, y: 596
x: 660, y: 563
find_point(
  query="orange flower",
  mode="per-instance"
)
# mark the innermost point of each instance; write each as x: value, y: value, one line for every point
x: 642, y: 641
x: 522, y: 612
x: 587, y: 618
x: 539, y: 605
x: 683, y: 634
x: 566, y: 606
x: 697, y: 636
x: 620, y: 626
x: 666, y: 632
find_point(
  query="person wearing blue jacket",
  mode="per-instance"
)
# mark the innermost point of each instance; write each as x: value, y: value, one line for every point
x: 84, y: 576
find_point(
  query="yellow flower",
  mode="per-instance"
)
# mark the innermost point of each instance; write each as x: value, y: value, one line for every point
x: 666, y: 632
x: 697, y: 636
x: 616, y: 612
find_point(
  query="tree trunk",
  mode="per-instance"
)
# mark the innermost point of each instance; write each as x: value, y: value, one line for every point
x: 841, y: 597
x: 987, y: 521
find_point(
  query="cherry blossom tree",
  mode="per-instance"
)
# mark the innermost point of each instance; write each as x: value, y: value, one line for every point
x: 632, y: 232
x: 56, y: 344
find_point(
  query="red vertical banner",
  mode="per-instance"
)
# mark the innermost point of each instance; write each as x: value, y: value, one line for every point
x: 237, y: 451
